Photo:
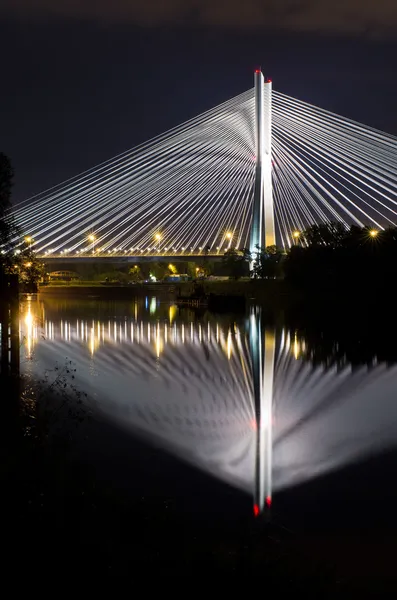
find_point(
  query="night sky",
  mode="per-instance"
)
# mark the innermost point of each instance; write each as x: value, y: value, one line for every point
x: 85, y: 80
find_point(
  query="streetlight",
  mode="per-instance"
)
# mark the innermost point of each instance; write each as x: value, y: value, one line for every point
x: 29, y: 240
x: 92, y: 239
x: 296, y: 235
x: 373, y: 233
x: 157, y: 237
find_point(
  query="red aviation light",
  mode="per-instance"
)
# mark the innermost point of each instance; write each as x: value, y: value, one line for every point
x: 268, y: 501
x: 256, y: 510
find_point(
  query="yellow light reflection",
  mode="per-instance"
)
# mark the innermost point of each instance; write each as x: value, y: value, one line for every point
x: 296, y: 348
x: 172, y: 313
x: 229, y: 345
x: 29, y: 330
x: 92, y: 341
x: 159, y: 346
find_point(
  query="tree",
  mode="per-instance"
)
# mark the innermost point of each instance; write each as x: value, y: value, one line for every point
x: 207, y: 266
x: 8, y: 229
x: 159, y: 270
x: 331, y: 235
x: 236, y: 263
x: 267, y: 262
x: 135, y: 274
x: 29, y: 268
x: 16, y: 256
x: 357, y: 262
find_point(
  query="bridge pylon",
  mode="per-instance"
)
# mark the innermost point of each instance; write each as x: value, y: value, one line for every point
x: 262, y: 227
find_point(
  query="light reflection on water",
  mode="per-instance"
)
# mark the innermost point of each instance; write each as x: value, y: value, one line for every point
x: 187, y: 383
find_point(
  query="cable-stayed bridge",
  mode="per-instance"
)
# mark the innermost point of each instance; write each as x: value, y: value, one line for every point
x: 251, y: 171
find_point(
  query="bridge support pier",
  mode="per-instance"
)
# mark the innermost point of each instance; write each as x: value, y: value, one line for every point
x: 262, y: 228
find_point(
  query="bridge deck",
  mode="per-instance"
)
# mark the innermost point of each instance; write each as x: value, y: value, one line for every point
x: 126, y: 258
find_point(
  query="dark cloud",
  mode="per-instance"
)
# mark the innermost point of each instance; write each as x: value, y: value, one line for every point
x: 375, y: 18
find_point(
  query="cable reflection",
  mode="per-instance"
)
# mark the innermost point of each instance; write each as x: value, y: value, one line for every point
x: 241, y: 401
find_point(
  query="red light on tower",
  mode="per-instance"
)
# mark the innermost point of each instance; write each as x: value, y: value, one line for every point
x: 256, y: 510
x: 268, y: 501
x: 257, y: 70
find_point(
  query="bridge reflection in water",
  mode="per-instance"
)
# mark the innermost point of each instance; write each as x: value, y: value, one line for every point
x: 237, y: 399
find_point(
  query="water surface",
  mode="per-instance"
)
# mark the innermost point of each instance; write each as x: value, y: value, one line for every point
x: 181, y: 382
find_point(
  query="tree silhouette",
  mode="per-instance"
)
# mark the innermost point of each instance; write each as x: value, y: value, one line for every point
x: 16, y: 256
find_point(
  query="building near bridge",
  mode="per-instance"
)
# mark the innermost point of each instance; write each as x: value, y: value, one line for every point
x: 63, y: 276
x: 178, y: 277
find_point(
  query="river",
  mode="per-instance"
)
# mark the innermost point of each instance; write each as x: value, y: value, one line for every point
x: 173, y: 418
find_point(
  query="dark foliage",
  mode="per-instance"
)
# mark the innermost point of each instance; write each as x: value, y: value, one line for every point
x: 356, y: 261
x: 267, y: 263
x: 236, y: 263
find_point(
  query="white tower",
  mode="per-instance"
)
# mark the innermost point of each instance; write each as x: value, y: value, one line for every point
x: 262, y: 228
